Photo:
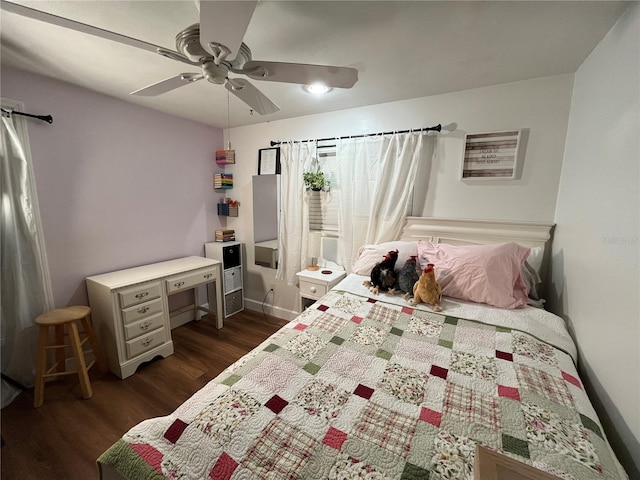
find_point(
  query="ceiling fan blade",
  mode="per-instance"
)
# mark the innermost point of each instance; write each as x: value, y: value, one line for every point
x: 224, y: 23
x: 91, y: 30
x: 167, y: 85
x: 337, y: 77
x: 250, y: 95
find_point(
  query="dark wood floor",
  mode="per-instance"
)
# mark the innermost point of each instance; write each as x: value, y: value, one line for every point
x: 63, y: 438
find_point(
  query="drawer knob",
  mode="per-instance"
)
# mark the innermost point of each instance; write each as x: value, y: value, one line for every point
x: 178, y: 284
x: 208, y: 275
x: 143, y: 310
x: 146, y: 342
x: 142, y: 295
x: 145, y: 325
x: 312, y: 289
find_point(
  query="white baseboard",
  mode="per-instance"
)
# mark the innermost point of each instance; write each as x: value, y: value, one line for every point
x: 256, y: 305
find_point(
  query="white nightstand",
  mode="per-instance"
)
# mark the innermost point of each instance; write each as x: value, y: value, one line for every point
x: 314, y: 284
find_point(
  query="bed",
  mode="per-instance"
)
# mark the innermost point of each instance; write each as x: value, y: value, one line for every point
x: 369, y: 386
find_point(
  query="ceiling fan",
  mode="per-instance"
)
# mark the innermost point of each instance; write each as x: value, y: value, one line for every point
x: 215, y: 45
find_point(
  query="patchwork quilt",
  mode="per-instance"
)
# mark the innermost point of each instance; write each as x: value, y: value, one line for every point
x: 359, y: 387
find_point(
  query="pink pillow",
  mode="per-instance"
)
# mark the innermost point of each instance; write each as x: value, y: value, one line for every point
x: 369, y: 255
x: 479, y: 273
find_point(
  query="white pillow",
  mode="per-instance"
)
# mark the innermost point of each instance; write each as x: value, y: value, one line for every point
x: 531, y: 272
x: 531, y: 280
x: 535, y: 258
x: 369, y: 255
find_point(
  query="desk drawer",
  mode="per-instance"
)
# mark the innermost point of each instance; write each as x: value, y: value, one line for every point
x: 312, y: 290
x: 145, y: 342
x: 143, y: 326
x: 190, y: 280
x: 139, y: 294
x: 143, y: 310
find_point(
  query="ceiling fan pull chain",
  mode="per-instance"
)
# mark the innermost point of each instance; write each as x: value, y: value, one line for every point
x: 228, y: 124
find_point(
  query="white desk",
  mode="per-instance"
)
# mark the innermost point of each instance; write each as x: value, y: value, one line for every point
x: 130, y: 308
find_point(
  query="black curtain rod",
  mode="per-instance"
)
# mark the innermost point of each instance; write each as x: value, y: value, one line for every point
x: 437, y: 128
x: 44, y: 118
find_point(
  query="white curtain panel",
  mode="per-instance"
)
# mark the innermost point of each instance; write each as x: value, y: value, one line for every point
x: 293, y: 229
x: 26, y: 289
x: 376, y: 176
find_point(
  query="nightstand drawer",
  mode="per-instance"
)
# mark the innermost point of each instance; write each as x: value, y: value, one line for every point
x: 312, y: 290
x: 190, y: 280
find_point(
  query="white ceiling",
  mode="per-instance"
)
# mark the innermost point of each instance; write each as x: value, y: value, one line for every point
x: 401, y: 49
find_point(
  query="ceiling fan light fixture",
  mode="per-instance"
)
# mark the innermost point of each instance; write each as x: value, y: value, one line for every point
x: 215, y: 73
x: 317, y: 88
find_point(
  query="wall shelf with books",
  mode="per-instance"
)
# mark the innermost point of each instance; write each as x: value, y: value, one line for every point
x: 223, y: 181
x: 228, y: 208
x: 225, y: 157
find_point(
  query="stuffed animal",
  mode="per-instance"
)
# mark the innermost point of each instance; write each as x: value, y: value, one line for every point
x: 427, y: 290
x: 408, y: 276
x: 383, y: 275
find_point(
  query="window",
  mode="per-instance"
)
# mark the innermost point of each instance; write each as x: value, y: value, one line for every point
x: 323, y: 206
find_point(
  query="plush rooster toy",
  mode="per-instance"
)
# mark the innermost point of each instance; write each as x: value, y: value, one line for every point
x: 408, y: 276
x: 383, y: 275
x: 427, y: 290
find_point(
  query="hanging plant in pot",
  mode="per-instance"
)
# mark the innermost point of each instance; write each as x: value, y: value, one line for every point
x: 315, y: 181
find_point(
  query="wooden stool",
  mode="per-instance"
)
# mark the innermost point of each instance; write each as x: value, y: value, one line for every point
x: 58, y: 318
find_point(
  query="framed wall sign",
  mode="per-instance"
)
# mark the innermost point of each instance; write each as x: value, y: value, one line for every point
x: 268, y: 161
x: 491, y: 155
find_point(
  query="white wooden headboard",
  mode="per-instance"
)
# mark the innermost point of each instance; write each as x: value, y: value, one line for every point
x: 476, y: 232
x: 480, y: 232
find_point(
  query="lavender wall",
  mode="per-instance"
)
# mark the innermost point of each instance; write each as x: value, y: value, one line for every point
x: 118, y: 185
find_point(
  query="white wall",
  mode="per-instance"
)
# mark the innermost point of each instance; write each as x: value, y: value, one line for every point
x: 539, y: 105
x: 595, y: 250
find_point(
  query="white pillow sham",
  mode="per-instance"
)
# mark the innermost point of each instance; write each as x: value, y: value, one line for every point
x: 369, y: 255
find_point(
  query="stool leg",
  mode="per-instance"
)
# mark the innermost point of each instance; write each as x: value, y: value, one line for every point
x: 41, y: 366
x: 97, y: 352
x: 81, y: 365
x: 60, y: 353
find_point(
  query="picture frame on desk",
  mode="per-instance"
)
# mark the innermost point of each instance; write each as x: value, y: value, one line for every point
x: 269, y: 161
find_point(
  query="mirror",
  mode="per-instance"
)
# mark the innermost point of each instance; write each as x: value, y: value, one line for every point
x: 266, y: 213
